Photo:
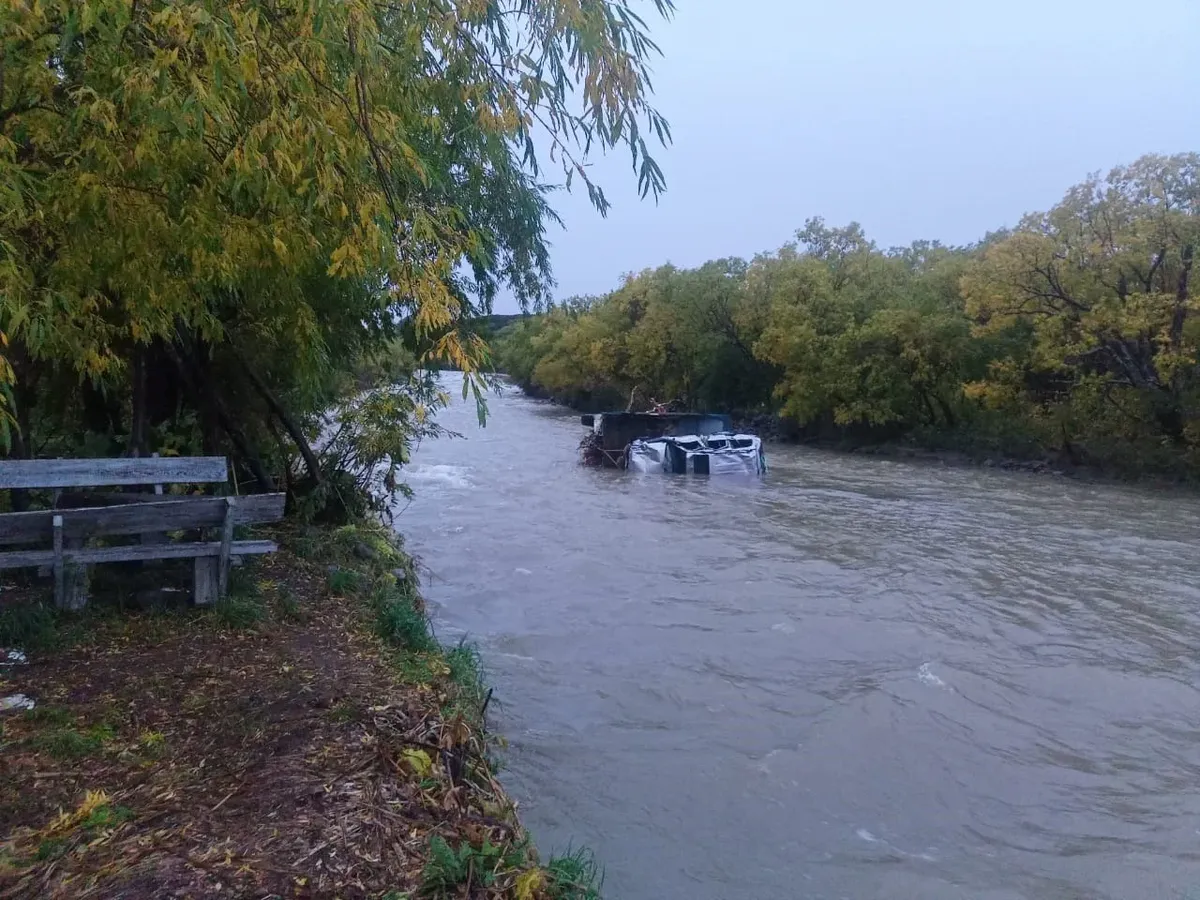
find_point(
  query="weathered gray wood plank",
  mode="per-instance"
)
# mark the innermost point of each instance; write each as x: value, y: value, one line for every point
x: 56, y: 558
x: 206, y: 589
x: 77, y: 580
x: 16, y: 559
x: 89, y: 498
x: 63, y: 473
x: 231, y: 505
x: 137, y: 518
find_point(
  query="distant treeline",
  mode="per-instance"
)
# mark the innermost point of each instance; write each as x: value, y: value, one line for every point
x: 1074, y: 335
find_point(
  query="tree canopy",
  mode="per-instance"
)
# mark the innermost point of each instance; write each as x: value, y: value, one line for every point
x: 218, y: 210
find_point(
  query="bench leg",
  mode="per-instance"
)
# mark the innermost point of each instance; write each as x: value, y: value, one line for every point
x: 70, y: 578
x: 226, y: 547
x: 60, y: 571
x: 76, y: 583
x: 206, y: 586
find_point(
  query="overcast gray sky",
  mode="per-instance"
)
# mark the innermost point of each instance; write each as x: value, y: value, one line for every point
x: 918, y: 118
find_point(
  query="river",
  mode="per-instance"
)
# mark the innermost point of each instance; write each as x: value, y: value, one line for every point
x: 856, y: 678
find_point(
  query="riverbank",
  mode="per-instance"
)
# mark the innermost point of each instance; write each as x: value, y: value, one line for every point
x: 308, y: 737
x: 924, y: 449
x: 1056, y: 465
x: 776, y: 430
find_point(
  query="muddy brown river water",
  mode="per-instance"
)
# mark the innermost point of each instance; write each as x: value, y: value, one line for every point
x: 856, y: 678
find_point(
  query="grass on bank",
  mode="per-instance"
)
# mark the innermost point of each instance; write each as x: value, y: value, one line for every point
x: 135, y: 706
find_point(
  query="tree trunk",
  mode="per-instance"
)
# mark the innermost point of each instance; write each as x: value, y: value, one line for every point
x: 286, y: 419
x: 288, y: 486
x: 100, y: 414
x: 1170, y: 417
x: 1135, y: 363
x: 137, y: 423
x: 930, y: 414
x: 1181, y: 296
x: 22, y: 394
x: 1068, y: 448
x: 1170, y: 413
x: 20, y: 450
x: 205, y: 398
x: 947, y: 412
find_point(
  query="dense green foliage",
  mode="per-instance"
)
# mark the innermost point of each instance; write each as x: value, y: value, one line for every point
x: 1074, y: 334
x: 216, y: 214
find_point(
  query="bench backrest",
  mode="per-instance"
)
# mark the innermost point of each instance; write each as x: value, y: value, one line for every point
x: 64, y: 473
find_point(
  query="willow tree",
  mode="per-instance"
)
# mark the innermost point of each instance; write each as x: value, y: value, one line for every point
x: 1105, y: 283
x: 239, y: 197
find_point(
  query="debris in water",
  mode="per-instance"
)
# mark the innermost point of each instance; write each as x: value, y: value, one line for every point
x: 591, y: 450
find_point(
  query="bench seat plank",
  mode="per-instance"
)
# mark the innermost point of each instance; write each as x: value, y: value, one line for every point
x: 64, y: 473
x: 136, y: 518
x: 16, y: 559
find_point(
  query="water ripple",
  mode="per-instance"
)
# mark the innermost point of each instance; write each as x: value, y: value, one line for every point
x: 864, y: 677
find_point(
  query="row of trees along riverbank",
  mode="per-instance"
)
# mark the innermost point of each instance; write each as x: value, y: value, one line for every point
x: 1073, y: 335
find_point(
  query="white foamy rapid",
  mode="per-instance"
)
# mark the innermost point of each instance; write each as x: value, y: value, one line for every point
x: 450, y: 476
x: 926, y: 676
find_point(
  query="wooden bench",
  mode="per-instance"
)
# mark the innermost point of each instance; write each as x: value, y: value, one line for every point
x: 60, y: 535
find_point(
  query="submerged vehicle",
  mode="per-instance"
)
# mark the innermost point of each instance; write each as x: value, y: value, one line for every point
x: 723, y: 453
x: 697, y: 443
